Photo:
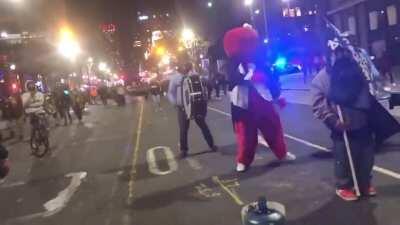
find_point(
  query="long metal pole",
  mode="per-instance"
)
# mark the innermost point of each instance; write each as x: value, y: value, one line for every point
x: 253, y: 23
x: 349, y: 155
x: 265, y: 18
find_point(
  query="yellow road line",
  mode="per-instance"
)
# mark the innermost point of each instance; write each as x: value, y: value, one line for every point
x: 135, y: 156
x: 233, y: 195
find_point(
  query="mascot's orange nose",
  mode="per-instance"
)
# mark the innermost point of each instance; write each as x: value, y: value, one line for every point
x: 241, y: 42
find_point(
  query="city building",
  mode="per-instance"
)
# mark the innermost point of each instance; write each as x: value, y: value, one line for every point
x: 376, y: 24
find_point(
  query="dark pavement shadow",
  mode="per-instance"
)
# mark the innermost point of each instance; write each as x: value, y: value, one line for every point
x: 199, y: 153
x: 322, y: 155
x: 339, y: 212
x: 227, y: 149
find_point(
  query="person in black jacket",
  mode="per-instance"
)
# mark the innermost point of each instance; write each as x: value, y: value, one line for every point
x: 343, y: 85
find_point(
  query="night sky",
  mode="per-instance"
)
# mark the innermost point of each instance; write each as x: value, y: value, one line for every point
x: 87, y: 15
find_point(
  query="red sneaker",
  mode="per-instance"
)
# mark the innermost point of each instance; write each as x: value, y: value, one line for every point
x: 347, y: 194
x: 370, y: 192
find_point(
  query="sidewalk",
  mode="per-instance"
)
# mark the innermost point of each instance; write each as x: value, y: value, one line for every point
x: 295, y: 90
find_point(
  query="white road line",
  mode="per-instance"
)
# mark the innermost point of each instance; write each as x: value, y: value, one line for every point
x: 377, y: 169
x: 11, y: 185
x: 262, y: 141
x: 57, y: 204
x: 152, y: 162
x: 386, y: 172
x: 194, y: 164
x: 321, y: 148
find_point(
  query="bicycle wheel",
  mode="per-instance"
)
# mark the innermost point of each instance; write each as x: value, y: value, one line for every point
x: 42, y: 141
x: 34, y: 142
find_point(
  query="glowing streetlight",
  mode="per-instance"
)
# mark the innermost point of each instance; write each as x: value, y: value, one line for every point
x: 13, y: 67
x: 4, y: 34
x: 209, y: 4
x: 68, y: 45
x: 102, y: 66
x: 248, y: 2
x: 188, y: 34
x: 166, y: 60
x: 160, y: 51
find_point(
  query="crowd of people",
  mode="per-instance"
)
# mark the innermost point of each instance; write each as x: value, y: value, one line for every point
x: 340, y: 99
x: 57, y: 104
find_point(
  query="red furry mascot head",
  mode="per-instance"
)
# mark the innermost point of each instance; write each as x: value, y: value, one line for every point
x: 241, y: 43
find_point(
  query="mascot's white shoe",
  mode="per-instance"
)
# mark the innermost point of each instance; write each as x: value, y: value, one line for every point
x: 289, y: 157
x: 240, y: 167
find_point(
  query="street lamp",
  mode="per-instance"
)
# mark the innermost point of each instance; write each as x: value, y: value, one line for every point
x: 166, y: 60
x: 68, y: 45
x: 209, y: 4
x: 188, y: 35
x: 4, y: 34
x: 248, y: 2
x: 102, y: 66
x: 13, y: 67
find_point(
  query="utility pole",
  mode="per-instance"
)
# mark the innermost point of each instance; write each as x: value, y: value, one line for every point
x: 265, y: 19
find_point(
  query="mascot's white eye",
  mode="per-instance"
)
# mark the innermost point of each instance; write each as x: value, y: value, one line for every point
x: 333, y: 44
x: 246, y: 25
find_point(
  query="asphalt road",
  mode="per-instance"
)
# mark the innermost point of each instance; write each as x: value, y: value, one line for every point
x: 121, y: 168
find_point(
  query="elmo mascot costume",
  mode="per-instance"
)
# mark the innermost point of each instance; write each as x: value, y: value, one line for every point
x: 253, y: 93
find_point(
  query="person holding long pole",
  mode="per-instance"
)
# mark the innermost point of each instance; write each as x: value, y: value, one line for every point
x: 342, y: 101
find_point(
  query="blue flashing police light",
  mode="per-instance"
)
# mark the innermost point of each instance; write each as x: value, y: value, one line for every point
x: 281, y: 63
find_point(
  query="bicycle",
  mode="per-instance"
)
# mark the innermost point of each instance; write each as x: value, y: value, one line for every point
x: 39, y: 141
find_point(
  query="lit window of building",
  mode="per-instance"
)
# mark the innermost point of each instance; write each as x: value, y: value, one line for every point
x: 373, y: 20
x: 298, y: 11
x: 292, y: 13
x: 392, y: 15
x: 352, y: 25
x: 285, y: 12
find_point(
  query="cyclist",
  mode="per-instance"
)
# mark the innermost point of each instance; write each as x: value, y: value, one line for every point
x: 33, y: 100
x: 33, y: 103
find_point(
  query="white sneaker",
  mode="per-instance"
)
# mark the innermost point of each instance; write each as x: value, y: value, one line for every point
x: 289, y: 157
x: 240, y: 167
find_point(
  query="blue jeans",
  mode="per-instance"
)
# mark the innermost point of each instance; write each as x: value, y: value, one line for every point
x: 363, y: 154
